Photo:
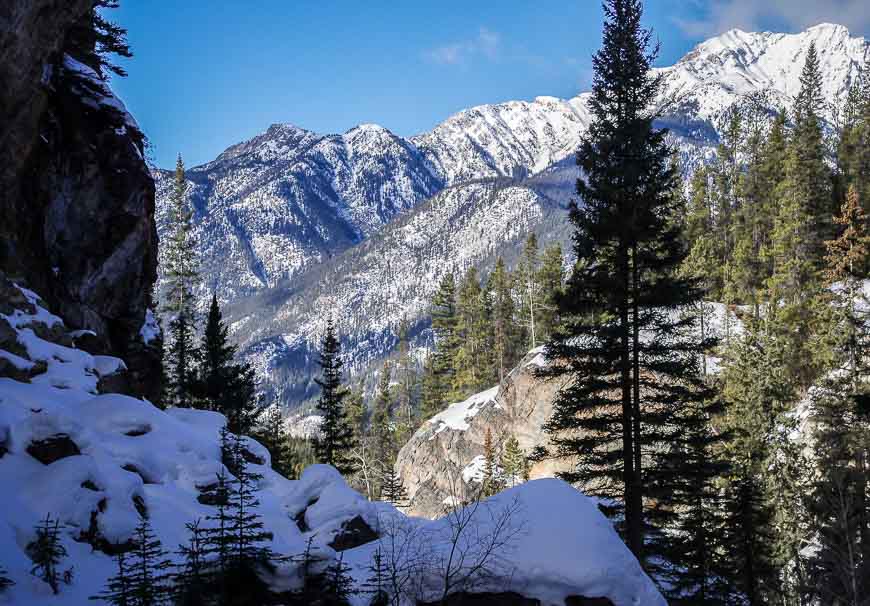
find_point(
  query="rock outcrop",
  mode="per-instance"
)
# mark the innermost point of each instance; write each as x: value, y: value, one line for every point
x: 442, y: 462
x: 76, y: 196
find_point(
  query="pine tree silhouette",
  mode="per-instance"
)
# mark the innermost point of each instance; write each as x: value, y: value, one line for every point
x: 46, y: 551
x: 119, y: 587
x: 376, y: 583
x: 149, y: 567
x: 392, y: 489
x: 194, y: 577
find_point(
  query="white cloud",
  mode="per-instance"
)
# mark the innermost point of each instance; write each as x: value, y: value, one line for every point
x: 718, y: 16
x: 487, y: 43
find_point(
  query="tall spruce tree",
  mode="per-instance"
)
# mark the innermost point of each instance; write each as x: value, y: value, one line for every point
x: 194, y: 577
x: 551, y: 277
x: 335, y: 438
x: 440, y: 372
x: 148, y: 567
x: 513, y: 462
x: 224, y: 385
x: 274, y: 436
x: 381, y: 422
x: 181, y: 276
x: 621, y: 403
x: 506, y: 338
x: 529, y: 287
x: 472, y: 362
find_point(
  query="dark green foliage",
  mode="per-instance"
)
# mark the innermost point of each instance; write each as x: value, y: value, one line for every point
x: 626, y: 391
x: 381, y: 429
x: 377, y: 583
x: 440, y: 371
x: 513, y: 462
x: 47, y: 552
x: 148, y: 565
x: 95, y: 39
x: 336, y: 585
x: 179, y: 267
x: 336, y: 436
x: 273, y: 434
x: 472, y: 363
x: 392, y: 489
x: 194, y: 577
x: 223, y: 385
x: 249, y: 535
x: 694, y: 543
x: 506, y: 336
x: 119, y: 588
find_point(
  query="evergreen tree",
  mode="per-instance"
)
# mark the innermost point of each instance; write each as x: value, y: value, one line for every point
x: 625, y: 391
x: 551, y: 279
x: 406, y: 377
x: 377, y: 583
x: 337, y: 586
x: 440, y: 372
x: 853, y: 145
x: 698, y: 568
x: 273, y: 435
x: 148, y: 565
x: 225, y: 386
x: 529, y: 286
x: 249, y: 535
x: 94, y: 40
x: 181, y: 276
x: 392, y: 489
x: 757, y: 393
x: 119, y: 587
x: 336, y: 436
x: 472, y: 361
x: 218, y: 536
x: 382, y: 416
x: 194, y: 579
x: 46, y: 552
x: 505, y: 336
x: 513, y: 461
x: 838, y: 502
x: 357, y: 413
x: 492, y: 481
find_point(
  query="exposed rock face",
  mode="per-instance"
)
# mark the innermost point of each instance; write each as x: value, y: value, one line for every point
x: 76, y: 196
x: 441, y: 463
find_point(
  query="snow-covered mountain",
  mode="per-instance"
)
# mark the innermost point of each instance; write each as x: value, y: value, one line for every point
x: 291, y: 223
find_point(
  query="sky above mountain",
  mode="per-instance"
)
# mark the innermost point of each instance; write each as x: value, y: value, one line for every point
x: 209, y: 73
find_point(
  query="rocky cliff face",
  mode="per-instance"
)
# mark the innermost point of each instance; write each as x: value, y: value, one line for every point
x: 76, y: 196
x: 442, y: 463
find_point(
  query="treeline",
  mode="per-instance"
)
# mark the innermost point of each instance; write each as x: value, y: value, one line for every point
x: 482, y: 328
x: 778, y: 230
x: 747, y: 485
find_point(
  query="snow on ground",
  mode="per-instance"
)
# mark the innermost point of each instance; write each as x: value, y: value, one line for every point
x: 457, y: 415
x: 115, y: 454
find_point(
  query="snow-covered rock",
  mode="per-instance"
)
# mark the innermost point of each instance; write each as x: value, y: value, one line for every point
x: 97, y: 462
x: 445, y: 456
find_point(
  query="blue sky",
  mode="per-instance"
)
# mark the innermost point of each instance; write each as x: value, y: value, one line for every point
x: 210, y: 73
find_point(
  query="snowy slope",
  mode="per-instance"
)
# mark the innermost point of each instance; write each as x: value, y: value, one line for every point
x: 392, y: 276
x: 115, y: 458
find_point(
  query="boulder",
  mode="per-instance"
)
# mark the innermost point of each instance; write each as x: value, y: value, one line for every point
x: 353, y: 533
x: 54, y: 448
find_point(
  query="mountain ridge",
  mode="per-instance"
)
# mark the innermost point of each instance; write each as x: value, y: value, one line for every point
x: 290, y: 205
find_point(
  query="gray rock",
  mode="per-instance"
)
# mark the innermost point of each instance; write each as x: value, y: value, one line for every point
x: 431, y: 464
x: 76, y: 196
